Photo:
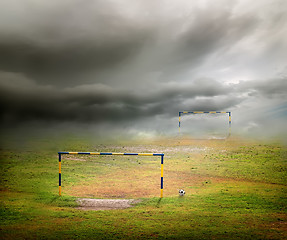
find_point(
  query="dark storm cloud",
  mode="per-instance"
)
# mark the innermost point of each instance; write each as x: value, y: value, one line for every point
x: 52, y: 42
x: 68, y: 59
x: 117, y: 61
x: 95, y: 103
x: 65, y: 38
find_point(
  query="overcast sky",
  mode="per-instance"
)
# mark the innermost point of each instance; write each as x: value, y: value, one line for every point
x: 134, y: 64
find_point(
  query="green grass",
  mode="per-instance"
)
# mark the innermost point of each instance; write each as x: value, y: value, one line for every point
x: 235, y: 189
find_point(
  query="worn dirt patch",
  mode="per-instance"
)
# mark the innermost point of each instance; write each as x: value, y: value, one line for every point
x: 105, y: 204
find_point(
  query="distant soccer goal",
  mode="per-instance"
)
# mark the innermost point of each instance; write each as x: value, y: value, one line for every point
x: 181, y: 114
x: 161, y: 155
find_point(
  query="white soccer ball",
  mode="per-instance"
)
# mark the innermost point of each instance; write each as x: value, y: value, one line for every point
x: 181, y: 192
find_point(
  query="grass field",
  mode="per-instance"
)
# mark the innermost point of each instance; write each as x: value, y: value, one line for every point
x: 235, y: 189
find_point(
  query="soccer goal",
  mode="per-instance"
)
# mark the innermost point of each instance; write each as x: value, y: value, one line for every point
x: 197, y: 113
x: 161, y: 155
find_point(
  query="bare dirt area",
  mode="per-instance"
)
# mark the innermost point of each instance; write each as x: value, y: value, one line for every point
x: 105, y: 204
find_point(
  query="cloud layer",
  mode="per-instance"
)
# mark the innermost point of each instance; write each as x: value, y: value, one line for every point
x: 139, y: 62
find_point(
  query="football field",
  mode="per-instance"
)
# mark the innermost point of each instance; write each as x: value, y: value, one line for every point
x: 234, y: 189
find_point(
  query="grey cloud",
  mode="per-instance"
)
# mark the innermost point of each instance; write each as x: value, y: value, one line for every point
x: 59, y: 40
x: 64, y: 39
x: 59, y: 63
x: 98, y: 102
x: 209, y: 32
x: 269, y: 88
x: 139, y: 61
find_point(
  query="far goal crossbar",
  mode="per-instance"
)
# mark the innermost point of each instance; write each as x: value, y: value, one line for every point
x: 204, y: 112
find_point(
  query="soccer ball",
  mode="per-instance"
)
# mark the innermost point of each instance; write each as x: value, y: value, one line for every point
x: 181, y: 192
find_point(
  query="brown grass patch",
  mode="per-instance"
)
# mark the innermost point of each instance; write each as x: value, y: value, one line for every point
x: 141, y: 184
